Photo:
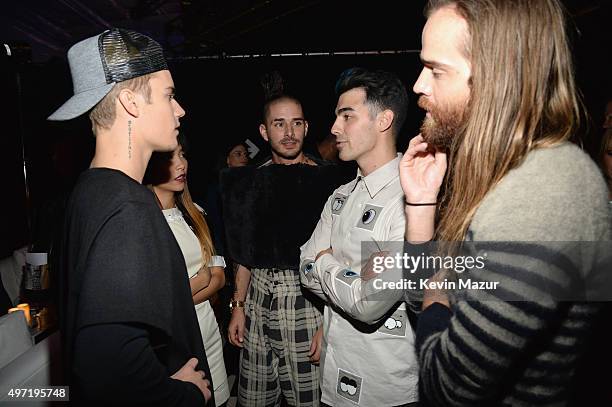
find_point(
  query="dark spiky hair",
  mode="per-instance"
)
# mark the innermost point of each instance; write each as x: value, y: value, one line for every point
x: 274, y: 88
x: 384, y: 90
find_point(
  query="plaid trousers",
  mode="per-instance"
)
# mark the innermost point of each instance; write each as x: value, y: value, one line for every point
x: 280, y: 324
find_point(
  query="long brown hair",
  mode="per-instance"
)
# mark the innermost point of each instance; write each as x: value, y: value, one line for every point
x: 522, y: 97
x: 155, y: 175
x: 197, y: 221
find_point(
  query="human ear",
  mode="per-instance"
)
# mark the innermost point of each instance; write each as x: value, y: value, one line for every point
x: 263, y: 131
x: 128, y: 100
x: 385, y: 120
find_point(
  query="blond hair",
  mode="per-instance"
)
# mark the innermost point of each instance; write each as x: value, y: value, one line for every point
x: 104, y: 113
x: 522, y: 97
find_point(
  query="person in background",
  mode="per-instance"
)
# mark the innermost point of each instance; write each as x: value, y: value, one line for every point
x: 269, y: 211
x: 166, y: 176
x: 237, y: 156
x: 234, y: 156
x: 275, y: 341
x: 327, y: 148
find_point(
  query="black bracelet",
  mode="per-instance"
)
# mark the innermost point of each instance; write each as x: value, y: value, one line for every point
x: 420, y: 204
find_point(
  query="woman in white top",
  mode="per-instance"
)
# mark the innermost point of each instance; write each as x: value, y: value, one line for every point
x: 167, y: 177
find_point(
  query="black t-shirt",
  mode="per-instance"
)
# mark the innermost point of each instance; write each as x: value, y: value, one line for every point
x: 122, y: 266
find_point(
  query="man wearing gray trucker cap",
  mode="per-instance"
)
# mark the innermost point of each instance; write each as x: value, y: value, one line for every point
x: 129, y: 327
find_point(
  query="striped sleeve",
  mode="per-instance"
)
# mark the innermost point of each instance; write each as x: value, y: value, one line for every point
x: 467, y: 357
x: 519, y: 344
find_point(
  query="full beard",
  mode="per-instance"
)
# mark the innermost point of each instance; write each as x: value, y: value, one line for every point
x: 442, y: 125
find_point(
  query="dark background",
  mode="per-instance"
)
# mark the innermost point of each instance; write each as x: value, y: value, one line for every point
x: 217, y: 50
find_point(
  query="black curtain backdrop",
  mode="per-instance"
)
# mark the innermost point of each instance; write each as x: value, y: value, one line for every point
x: 223, y: 101
x: 13, y: 215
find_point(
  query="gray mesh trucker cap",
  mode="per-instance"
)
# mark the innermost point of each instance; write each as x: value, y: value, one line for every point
x: 98, y: 63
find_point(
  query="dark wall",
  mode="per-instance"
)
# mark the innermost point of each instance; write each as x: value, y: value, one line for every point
x: 592, y: 44
x: 223, y: 99
x: 223, y: 102
x: 13, y: 226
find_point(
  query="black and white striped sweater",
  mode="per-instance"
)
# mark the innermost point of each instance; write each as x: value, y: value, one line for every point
x: 492, y: 351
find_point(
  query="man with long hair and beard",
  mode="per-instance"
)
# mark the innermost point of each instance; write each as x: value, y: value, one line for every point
x: 498, y: 88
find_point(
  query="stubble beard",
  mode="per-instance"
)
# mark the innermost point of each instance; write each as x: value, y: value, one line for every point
x: 443, y: 124
x: 287, y: 155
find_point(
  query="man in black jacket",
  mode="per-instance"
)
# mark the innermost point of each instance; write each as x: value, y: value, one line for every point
x: 129, y: 326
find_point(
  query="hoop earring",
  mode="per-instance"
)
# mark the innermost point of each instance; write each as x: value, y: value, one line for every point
x: 130, y: 139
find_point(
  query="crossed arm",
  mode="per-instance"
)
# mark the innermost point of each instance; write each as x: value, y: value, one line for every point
x: 320, y: 269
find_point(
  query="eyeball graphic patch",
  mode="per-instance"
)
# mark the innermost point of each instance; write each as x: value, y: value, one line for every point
x: 396, y: 324
x: 307, y: 268
x: 349, y: 386
x: 347, y: 276
x: 337, y: 203
x: 369, y: 216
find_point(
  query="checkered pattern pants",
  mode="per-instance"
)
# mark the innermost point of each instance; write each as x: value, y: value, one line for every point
x: 280, y: 324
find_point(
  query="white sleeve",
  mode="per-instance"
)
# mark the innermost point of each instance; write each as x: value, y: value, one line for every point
x: 319, y: 241
x: 364, y: 300
x: 217, y: 261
